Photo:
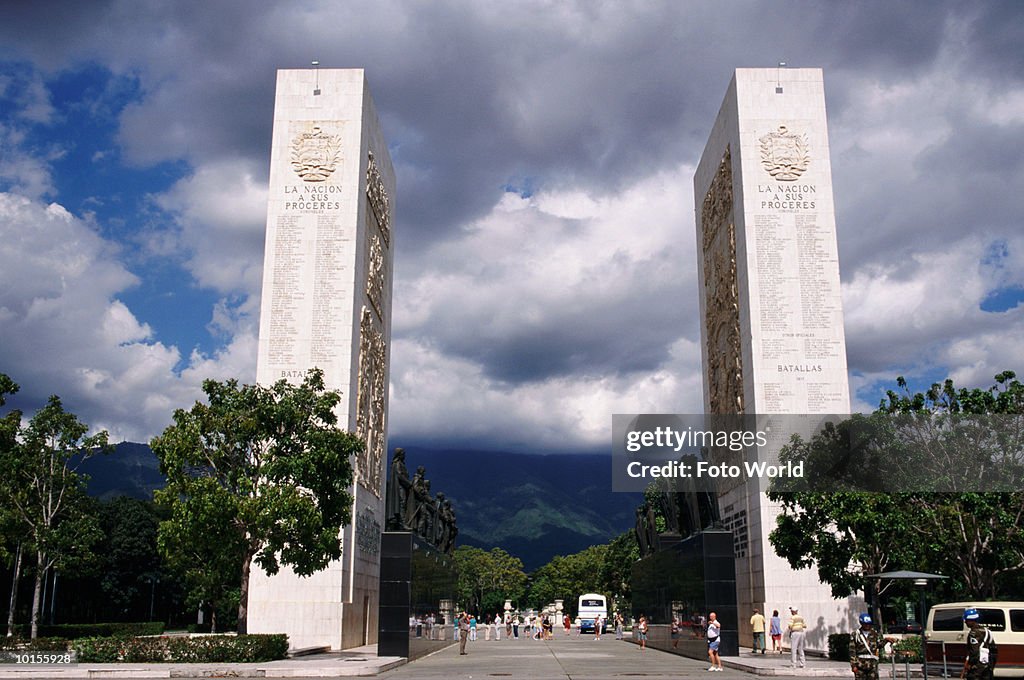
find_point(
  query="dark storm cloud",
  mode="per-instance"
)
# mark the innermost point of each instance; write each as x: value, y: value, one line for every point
x: 592, y: 97
x: 589, y: 336
x: 593, y: 94
x: 995, y: 34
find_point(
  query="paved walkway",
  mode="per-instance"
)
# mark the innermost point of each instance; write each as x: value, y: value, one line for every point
x: 564, y: 658
x: 584, y: 658
x: 361, y: 661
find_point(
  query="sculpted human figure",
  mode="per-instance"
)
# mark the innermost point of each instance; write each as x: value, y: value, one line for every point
x: 453, y: 529
x: 397, y: 492
x: 670, y: 511
x: 641, y: 531
x: 652, y: 528
x: 440, y: 522
x: 412, y: 499
x: 425, y: 522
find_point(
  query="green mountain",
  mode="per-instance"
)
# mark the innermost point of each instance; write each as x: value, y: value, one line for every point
x: 533, y: 506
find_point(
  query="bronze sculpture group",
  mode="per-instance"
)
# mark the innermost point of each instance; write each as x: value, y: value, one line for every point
x: 410, y: 507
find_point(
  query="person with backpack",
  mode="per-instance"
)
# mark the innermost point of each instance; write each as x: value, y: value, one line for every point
x: 981, y: 647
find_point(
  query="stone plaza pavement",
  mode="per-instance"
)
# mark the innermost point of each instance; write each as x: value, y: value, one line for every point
x: 583, y: 658
x: 564, y: 658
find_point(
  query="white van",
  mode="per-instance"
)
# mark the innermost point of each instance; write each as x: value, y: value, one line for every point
x: 591, y: 607
x: 1004, y: 619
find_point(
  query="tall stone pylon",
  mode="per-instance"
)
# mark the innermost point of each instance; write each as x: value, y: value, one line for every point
x: 771, y: 308
x: 327, y: 304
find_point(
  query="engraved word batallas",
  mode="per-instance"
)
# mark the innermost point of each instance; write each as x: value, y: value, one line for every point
x: 784, y: 154
x: 315, y: 154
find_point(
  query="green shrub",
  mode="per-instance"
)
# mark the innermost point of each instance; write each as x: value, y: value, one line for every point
x: 204, y: 649
x: 47, y: 644
x: 42, y: 644
x: 73, y: 631
x: 907, y: 649
x: 839, y: 646
x: 98, y: 650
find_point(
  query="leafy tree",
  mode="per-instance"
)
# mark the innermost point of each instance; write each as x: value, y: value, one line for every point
x: 617, y: 568
x: 47, y: 496
x: 131, y: 562
x: 844, y: 535
x: 9, y: 424
x: 945, y: 438
x: 568, y: 577
x: 488, y: 578
x: 10, y: 531
x: 976, y: 537
x: 257, y: 474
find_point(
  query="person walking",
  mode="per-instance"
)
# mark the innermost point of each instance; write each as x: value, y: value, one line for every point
x: 714, y: 631
x: 675, y: 632
x: 865, y: 646
x: 598, y: 626
x: 515, y: 626
x: 642, y: 632
x: 567, y: 623
x: 797, y: 629
x: 776, y: 631
x: 463, y: 632
x: 472, y: 628
x: 981, y: 648
x: 508, y: 626
x: 619, y: 621
x: 757, y: 626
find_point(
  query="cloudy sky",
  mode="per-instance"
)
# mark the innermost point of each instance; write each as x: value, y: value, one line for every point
x: 545, y: 268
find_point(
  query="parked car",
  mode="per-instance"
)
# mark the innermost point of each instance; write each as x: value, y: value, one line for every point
x: 946, y: 633
x: 903, y: 628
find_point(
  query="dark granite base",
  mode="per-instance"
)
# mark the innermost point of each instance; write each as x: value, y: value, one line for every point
x: 414, y: 579
x: 691, y: 579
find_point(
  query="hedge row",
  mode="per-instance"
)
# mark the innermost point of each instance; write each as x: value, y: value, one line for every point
x: 839, y: 646
x: 909, y: 648
x: 42, y: 644
x: 213, y: 648
x: 72, y: 631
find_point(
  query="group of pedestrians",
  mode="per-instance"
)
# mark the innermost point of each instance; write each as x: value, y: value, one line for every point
x: 763, y: 628
x: 533, y: 627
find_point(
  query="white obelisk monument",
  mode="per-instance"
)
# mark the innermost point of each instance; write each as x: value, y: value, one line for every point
x: 327, y: 304
x: 771, y: 309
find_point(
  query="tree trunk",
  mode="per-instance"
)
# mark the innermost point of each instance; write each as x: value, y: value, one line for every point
x: 37, y: 592
x: 243, y: 597
x: 14, y: 593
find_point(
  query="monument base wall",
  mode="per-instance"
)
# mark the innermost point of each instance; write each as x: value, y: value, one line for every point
x: 688, y: 580
x: 415, y: 579
x: 766, y: 581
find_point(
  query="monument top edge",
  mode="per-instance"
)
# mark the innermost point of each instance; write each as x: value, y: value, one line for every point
x: 309, y: 69
x: 775, y: 73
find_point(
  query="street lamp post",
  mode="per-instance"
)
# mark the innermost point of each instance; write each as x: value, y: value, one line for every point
x: 922, y: 584
x: 920, y: 580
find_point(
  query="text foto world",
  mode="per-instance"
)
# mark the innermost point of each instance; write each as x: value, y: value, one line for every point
x: 706, y: 469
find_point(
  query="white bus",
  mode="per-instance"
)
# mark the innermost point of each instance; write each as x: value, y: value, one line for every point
x: 591, y: 606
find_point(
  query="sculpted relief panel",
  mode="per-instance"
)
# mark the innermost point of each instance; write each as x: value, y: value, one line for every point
x: 377, y: 197
x: 721, y: 294
x: 375, y: 275
x: 315, y: 154
x: 370, y: 401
